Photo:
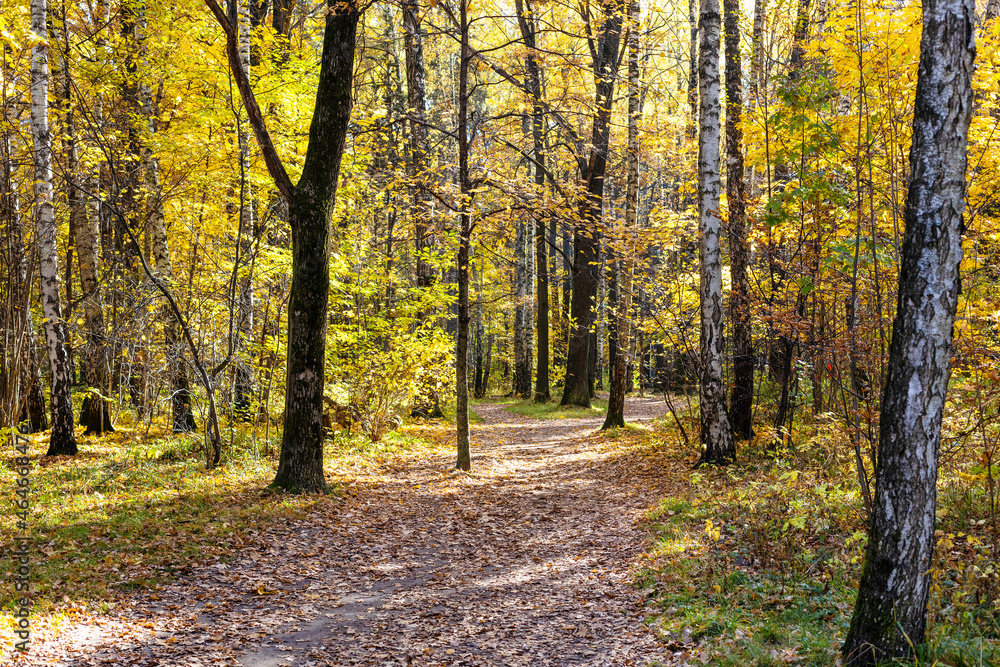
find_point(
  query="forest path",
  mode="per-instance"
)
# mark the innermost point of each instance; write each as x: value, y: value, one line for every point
x: 525, y: 561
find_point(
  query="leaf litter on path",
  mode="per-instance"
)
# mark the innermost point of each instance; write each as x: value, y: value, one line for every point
x: 526, y: 561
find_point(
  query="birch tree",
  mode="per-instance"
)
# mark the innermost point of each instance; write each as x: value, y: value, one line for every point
x: 63, y: 440
x: 890, y: 613
x: 716, y: 434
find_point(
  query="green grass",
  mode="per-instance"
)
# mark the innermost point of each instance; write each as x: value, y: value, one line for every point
x: 129, y: 512
x: 757, y: 564
x: 552, y: 409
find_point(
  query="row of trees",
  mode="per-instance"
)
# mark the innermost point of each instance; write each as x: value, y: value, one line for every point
x: 381, y: 206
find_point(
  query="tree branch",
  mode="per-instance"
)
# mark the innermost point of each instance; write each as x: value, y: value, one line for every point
x: 274, y: 165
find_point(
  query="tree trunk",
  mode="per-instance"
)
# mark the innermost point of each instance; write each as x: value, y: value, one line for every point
x: 522, y: 312
x: 693, y: 69
x: 533, y: 82
x: 243, y: 380
x: 63, y: 439
x: 890, y: 612
x: 577, y: 390
x: 567, y: 295
x: 799, y: 41
x: 477, y: 352
x: 415, y: 95
x: 464, y: 452
x: 757, y: 57
x: 716, y: 434
x: 739, y: 248
x: 300, y: 468
x: 623, y: 305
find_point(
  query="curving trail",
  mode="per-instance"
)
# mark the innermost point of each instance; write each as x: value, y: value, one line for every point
x: 527, y: 561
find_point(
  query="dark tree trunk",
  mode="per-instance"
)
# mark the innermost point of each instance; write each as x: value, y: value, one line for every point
x: 623, y: 303
x: 300, y: 468
x: 567, y: 295
x: 463, y: 460
x: 477, y: 352
x: 891, y: 608
x: 555, y: 313
x: 741, y: 402
x: 799, y: 40
x: 533, y: 82
x: 578, y: 388
x: 281, y: 17
x: 693, y: 68
x: 415, y: 96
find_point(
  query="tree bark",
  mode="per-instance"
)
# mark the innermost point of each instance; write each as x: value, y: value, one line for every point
x: 693, y: 69
x: 63, y: 439
x: 533, y: 83
x: 464, y: 452
x: 24, y: 398
x: 243, y: 374
x: 891, y: 607
x: 799, y: 41
x: 522, y: 311
x: 716, y: 434
x: 577, y: 390
x: 623, y: 304
x: 416, y: 100
x: 300, y: 468
x: 739, y: 249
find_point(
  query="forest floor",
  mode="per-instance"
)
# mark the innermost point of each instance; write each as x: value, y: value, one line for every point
x: 530, y: 559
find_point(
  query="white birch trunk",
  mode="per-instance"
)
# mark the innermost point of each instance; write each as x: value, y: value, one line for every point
x: 716, y: 434
x: 890, y: 612
x: 63, y: 440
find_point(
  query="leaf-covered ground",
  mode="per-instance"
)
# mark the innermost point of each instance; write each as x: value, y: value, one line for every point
x: 528, y: 560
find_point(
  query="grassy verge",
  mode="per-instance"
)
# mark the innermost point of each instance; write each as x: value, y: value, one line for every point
x: 552, y: 409
x: 136, y: 508
x: 757, y: 565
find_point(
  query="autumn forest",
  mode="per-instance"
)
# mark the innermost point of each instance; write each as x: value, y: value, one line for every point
x: 481, y: 332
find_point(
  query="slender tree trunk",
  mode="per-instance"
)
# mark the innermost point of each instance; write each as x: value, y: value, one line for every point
x: 243, y: 384
x: 63, y: 439
x: 567, y: 294
x: 464, y: 451
x: 716, y: 434
x: 757, y: 58
x: 522, y: 331
x: 623, y: 305
x: 533, y: 82
x: 477, y: 352
x: 415, y: 92
x: 891, y: 607
x: 24, y: 383
x: 739, y: 248
x: 693, y: 69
